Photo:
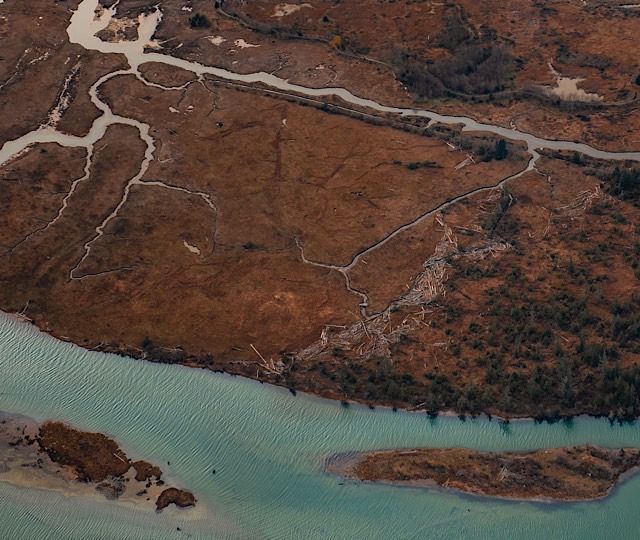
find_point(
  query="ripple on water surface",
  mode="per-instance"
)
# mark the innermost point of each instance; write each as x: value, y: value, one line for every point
x: 268, y: 448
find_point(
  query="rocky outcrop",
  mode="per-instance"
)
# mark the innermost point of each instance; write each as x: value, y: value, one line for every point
x: 93, y: 456
x: 179, y: 497
x: 145, y: 470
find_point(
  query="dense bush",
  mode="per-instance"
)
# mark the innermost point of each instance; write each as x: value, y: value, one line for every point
x: 476, y: 66
x: 624, y: 183
x: 199, y: 21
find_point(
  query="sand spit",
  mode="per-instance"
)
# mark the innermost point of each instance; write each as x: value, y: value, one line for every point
x: 56, y: 457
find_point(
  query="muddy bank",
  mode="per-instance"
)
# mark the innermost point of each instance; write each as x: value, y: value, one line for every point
x: 57, y: 457
x: 577, y: 473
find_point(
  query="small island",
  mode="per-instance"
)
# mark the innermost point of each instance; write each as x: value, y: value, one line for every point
x: 56, y: 456
x: 576, y: 473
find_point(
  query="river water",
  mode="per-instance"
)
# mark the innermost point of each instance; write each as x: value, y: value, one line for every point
x: 268, y: 449
x: 267, y: 446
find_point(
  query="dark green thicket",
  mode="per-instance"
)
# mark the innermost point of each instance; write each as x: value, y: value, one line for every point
x: 623, y: 183
x: 414, y: 165
x: 501, y: 149
x: 528, y: 368
x: 199, y: 21
x: 478, y: 64
x: 543, y: 354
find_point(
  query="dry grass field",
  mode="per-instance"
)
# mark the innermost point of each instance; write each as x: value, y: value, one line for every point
x: 334, y: 250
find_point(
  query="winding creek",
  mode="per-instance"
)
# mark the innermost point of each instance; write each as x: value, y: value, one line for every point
x: 266, y: 445
x: 84, y: 27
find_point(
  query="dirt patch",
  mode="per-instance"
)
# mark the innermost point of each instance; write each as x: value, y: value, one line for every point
x: 576, y: 473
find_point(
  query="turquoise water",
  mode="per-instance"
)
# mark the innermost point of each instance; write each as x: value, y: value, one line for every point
x: 268, y: 449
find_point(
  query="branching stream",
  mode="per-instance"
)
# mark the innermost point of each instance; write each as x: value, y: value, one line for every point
x: 83, y: 30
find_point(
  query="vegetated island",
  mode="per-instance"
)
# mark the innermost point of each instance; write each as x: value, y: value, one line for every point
x: 575, y: 473
x: 67, y: 455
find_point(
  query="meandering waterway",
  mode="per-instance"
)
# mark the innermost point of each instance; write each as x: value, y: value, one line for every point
x: 84, y: 27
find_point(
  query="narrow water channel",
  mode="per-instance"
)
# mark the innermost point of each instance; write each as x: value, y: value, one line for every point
x: 84, y: 27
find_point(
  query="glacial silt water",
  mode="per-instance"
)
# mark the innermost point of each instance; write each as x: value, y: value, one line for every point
x: 268, y: 449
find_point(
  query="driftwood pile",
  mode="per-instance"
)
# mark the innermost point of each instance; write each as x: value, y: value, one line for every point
x: 373, y: 337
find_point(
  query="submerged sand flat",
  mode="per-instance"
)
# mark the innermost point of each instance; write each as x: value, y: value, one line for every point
x: 56, y: 457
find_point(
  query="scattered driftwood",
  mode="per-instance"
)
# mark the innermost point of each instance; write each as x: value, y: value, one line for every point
x: 579, y: 204
x: 374, y: 336
x: 468, y: 161
x: 275, y: 368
